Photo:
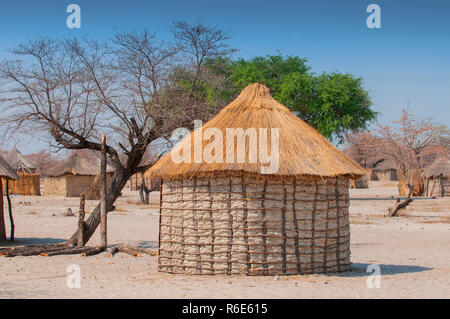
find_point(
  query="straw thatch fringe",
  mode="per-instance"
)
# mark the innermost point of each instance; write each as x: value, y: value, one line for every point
x: 7, y: 171
x: 232, y: 225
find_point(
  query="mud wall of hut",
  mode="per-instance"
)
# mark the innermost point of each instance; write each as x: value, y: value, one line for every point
x: 67, y: 185
x: 93, y: 192
x: 386, y: 175
x: 78, y: 184
x: 54, y: 186
x: 242, y: 225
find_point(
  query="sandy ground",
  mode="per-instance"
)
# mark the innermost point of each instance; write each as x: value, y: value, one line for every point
x: 412, y: 251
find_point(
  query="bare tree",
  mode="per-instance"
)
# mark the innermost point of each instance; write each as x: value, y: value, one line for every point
x: 76, y: 90
x: 43, y: 160
x: 361, y: 147
x: 409, y: 142
x: 200, y: 42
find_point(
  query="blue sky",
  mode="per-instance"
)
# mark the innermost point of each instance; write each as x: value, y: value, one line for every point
x: 406, y: 61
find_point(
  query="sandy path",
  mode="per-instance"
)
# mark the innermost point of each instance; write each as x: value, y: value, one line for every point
x: 413, y: 253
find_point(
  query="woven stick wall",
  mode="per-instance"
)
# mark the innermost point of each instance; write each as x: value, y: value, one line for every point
x: 265, y: 226
x: 27, y: 184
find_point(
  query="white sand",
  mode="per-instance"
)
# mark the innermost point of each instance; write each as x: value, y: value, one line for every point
x: 413, y: 252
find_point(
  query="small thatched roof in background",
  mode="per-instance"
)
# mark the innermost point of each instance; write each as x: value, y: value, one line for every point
x: 19, y: 162
x: 440, y: 167
x: 77, y: 164
x: 7, y: 171
x: 303, y: 151
x: 386, y: 165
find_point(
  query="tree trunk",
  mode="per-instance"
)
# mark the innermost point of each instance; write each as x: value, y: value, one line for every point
x: 403, y: 204
x: 91, y: 224
x: 141, y: 190
x: 144, y: 191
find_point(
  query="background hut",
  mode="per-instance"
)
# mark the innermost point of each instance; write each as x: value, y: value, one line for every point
x: 385, y: 171
x: 20, y: 163
x: 360, y: 182
x: 29, y: 181
x: 229, y: 218
x: 7, y: 173
x: 437, y: 178
x: 73, y: 176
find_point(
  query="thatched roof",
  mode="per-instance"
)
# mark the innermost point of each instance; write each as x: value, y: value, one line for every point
x: 440, y: 167
x: 7, y: 171
x: 302, y: 150
x: 19, y: 162
x: 77, y: 165
x: 386, y: 165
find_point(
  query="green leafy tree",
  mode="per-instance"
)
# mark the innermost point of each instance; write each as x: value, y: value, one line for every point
x: 333, y: 103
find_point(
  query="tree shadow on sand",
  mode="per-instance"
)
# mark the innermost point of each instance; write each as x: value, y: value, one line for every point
x: 361, y: 270
x: 148, y: 244
x: 19, y: 242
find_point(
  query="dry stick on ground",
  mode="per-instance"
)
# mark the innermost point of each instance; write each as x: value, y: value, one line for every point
x: 131, y: 250
x: 11, y: 219
x: 400, y: 204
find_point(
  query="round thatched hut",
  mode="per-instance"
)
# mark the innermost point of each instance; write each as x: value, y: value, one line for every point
x: 29, y: 181
x: 437, y: 178
x: 360, y: 182
x: 385, y: 171
x: 74, y: 176
x: 7, y: 173
x: 227, y: 215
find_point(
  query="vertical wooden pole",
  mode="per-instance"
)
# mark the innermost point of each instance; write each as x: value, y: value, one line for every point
x: 2, y: 219
x: 103, y: 212
x: 81, y: 214
x: 11, y: 219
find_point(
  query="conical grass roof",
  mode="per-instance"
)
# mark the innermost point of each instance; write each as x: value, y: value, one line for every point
x: 303, y: 151
x: 77, y: 165
x: 19, y: 162
x: 440, y: 167
x: 7, y: 171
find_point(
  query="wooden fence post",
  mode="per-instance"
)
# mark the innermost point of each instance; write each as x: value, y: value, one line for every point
x: 11, y: 219
x: 103, y: 212
x: 81, y: 214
